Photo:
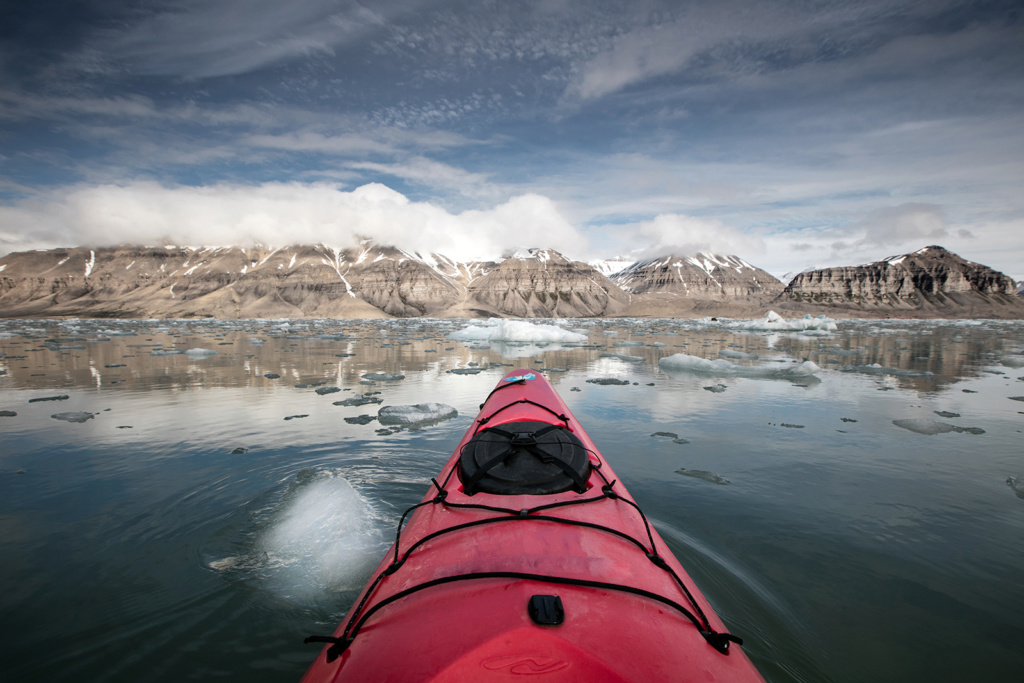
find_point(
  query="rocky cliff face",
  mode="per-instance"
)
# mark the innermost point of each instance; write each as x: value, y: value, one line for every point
x: 539, y: 283
x: 297, y: 282
x: 228, y: 282
x: 931, y: 281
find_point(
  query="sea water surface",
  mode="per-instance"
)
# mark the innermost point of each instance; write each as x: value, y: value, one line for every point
x: 185, y: 500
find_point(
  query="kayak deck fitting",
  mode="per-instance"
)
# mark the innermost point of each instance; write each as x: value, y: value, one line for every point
x: 528, y: 557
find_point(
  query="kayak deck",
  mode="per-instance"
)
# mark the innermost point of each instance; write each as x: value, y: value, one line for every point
x: 575, y: 585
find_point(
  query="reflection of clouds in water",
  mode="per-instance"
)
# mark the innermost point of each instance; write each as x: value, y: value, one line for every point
x: 322, y: 537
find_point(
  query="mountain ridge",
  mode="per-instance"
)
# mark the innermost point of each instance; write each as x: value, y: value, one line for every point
x: 372, y: 280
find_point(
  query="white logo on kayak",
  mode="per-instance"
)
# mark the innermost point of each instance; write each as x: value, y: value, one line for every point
x: 521, y: 378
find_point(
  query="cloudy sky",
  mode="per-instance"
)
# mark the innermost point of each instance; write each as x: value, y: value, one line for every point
x: 792, y: 133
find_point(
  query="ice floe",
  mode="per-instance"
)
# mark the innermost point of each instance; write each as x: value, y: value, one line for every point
x: 704, y: 475
x: 359, y: 400
x: 737, y: 355
x: 774, y: 322
x: 930, y: 427
x: 417, y: 415
x: 623, y: 357
x: 683, y: 363
x: 516, y: 330
x: 876, y: 369
x: 200, y: 353
x: 62, y: 397
x: 73, y: 417
x: 1016, y: 486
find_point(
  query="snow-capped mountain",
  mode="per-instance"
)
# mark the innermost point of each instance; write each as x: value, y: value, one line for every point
x: 372, y: 280
x: 701, y: 276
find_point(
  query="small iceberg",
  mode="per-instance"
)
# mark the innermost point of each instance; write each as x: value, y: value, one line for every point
x: 359, y: 400
x: 517, y: 330
x: 623, y: 357
x: 416, y: 416
x: 73, y: 417
x: 704, y: 475
x: 876, y: 369
x: 930, y: 427
x: 737, y: 355
x: 774, y: 322
x: 682, y: 363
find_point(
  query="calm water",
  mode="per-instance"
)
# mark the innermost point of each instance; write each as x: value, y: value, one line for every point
x: 143, y: 544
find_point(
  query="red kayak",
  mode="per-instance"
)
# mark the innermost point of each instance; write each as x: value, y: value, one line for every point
x: 528, y: 557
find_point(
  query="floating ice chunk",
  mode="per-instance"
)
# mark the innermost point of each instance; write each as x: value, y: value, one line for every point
x: 622, y: 357
x: 516, y: 330
x: 737, y: 355
x: 327, y: 390
x: 671, y: 435
x: 628, y: 343
x: 716, y: 389
x: 418, y: 415
x: 166, y: 352
x: 382, y: 377
x: 703, y: 474
x: 200, y: 353
x: 359, y: 400
x: 62, y: 397
x: 930, y: 427
x: 73, y: 417
x: 1014, y: 361
x: 776, y: 323
x: 465, y: 371
x: 681, y: 362
x: 876, y: 369
x: 608, y: 380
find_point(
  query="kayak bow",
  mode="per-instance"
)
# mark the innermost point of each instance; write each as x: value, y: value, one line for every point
x: 528, y: 557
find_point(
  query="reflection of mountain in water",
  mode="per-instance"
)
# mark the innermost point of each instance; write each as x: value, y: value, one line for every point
x: 922, y: 355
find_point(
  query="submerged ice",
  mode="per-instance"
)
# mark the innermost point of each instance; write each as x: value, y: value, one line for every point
x: 322, y: 537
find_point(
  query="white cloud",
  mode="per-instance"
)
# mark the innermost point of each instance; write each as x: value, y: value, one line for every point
x: 433, y: 174
x: 684, y: 235
x: 279, y: 214
x: 902, y: 224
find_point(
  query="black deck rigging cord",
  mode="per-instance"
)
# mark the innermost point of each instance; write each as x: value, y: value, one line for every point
x: 720, y: 641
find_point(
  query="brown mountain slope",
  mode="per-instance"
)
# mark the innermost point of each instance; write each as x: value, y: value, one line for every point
x: 930, y: 282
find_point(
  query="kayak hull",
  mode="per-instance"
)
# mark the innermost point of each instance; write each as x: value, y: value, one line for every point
x: 453, y: 601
